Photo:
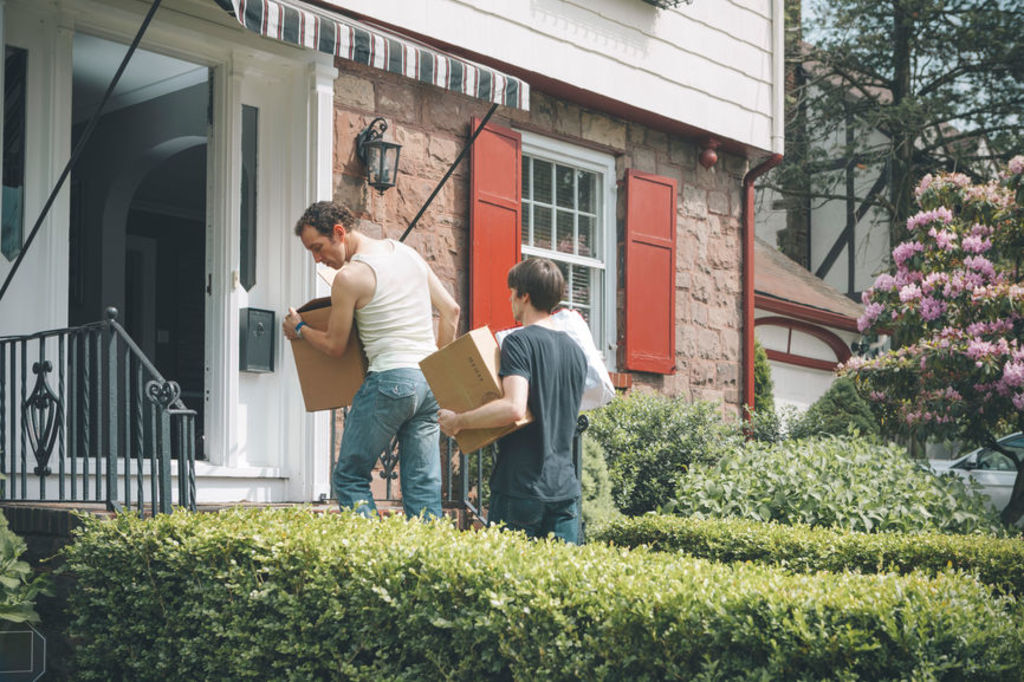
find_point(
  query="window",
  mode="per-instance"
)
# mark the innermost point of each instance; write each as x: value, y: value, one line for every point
x: 15, y: 69
x: 568, y: 215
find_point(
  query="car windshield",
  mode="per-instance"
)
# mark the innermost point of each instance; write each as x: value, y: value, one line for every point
x: 997, y: 461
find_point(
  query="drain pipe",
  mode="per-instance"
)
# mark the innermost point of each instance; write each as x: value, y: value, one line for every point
x: 748, y: 276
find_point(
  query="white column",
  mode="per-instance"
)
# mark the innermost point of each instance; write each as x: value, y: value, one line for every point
x: 314, y: 477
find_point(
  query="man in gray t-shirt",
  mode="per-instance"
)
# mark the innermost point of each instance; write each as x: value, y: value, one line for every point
x: 534, y: 486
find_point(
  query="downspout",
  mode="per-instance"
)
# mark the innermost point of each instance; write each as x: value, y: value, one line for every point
x: 748, y: 276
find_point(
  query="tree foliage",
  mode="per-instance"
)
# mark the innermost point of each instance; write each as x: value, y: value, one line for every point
x: 837, y: 412
x: 954, y: 303
x: 882, y: 91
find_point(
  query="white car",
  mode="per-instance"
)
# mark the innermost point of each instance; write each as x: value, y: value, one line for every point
x: 992, y: 469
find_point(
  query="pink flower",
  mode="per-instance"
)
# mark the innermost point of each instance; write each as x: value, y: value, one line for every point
x: 884, y: 282
x: 905, y: 251
x: 933, y: 281
x: 1018, y: 401
x: 973, y: 244
x: 976, y: 349
x: 925, y: 181
x: 944, y: 239
x: 1016, y: 165
x: 981, y: 265
x: 931, y: 309
x: 871, y: 313
x: 979, y: 230
x: 1013, y: 374
x: 941, y: 213
x: 910, y: 292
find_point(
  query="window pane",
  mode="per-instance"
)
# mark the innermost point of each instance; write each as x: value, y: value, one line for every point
x: 527, y: 167
x: 566, y: 242
x: 525, y: 236
x: 586, y: 235
x: 542, y: 227
x: 541, y: 181
x: 247, y: 228
x: 564, y: 186
x: 587, y: 190
x: 580, y: 290
x: 11, y: 237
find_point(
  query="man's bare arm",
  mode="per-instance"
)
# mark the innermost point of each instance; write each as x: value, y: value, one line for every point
x: 502, y: 411
x: 448, y: 325
x: 350, y: 284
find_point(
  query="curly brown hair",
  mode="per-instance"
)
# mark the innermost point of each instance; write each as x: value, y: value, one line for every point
x: 323, y: 216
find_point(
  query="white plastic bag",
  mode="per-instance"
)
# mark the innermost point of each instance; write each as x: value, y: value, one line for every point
x: 597, y: 389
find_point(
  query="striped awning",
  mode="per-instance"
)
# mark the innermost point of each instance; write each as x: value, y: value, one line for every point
x: 294, y: 22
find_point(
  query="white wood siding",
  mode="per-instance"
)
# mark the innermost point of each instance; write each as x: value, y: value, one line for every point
x: 714, y: 65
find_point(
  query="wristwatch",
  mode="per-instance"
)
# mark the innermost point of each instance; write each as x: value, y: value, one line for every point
x: 298, y: 329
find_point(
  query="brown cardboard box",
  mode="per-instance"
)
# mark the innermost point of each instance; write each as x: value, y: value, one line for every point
x: 464, y: 375
x: 327, y: 382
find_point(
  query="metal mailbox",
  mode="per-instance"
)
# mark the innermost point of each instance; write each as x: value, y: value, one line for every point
x: 256, y: 337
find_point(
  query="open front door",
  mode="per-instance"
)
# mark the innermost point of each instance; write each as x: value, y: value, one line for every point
x: 138, y: 206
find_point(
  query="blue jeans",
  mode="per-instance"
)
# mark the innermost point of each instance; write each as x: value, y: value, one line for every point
x: 537, y: 517
x: 396, y: 401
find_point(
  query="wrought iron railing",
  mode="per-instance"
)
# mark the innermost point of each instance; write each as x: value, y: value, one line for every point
x: 86, y: 417
x: 465, y: 477
x: 475, y: 470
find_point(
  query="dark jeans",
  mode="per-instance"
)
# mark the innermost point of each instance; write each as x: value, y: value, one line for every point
x: 537, y: 517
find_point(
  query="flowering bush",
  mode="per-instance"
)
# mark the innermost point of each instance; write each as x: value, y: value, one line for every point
x: 954, y: 303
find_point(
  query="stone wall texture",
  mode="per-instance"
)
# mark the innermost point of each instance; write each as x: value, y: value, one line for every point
x: 433, y: 125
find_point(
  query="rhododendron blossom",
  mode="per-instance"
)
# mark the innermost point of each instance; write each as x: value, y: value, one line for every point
x: 954, y: 300
x: 973, y: 244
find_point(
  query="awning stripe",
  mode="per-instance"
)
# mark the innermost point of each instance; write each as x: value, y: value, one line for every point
x: 295, y: 23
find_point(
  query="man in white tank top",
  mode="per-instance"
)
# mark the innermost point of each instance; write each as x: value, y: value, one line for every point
x: 389, y: 291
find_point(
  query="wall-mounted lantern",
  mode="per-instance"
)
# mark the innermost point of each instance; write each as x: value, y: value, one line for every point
x: 379, y: 156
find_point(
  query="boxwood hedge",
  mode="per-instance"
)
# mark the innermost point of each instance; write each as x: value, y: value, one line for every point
x: 290, y: 595
x: 997, y: 562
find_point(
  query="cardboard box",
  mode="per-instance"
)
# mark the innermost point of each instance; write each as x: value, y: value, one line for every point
x: 327, y: 382
x: 464, y: 375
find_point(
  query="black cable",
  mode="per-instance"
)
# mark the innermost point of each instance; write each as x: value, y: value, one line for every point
x: 80, y: 146
x: 451, y: 169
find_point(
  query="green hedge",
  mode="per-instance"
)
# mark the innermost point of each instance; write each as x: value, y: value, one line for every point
x: 836, y: 482
x: 996, y: 562
x: 650, y: 442
x: 289, y: 595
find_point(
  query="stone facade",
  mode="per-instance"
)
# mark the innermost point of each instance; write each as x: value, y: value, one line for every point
x: 433, y: 125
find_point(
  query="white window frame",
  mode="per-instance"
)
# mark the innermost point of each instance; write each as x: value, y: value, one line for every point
x: 603, y: 318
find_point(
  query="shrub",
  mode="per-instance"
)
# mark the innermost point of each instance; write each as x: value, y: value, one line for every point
x: 835, y: 413
x: 838, y: 482
x: 598, y: 507
x: 650, y: 442
x: 18, y: 586
x: 998, y: 562
x: 764, y: 387
x: 286, y: 594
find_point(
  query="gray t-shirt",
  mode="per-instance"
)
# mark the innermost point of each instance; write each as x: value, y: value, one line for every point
x: 536, y: 461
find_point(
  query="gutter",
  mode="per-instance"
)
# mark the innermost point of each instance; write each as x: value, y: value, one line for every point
x: 748, y: 276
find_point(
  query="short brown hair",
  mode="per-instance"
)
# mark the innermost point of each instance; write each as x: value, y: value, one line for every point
x: 541, y: 279
x: 323, y: 216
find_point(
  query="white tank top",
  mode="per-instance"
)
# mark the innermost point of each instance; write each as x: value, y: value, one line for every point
x: 396, y: 327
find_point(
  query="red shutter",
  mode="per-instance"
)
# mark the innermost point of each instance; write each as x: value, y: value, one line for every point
x: 650, y: 273
x: 495, y: 192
